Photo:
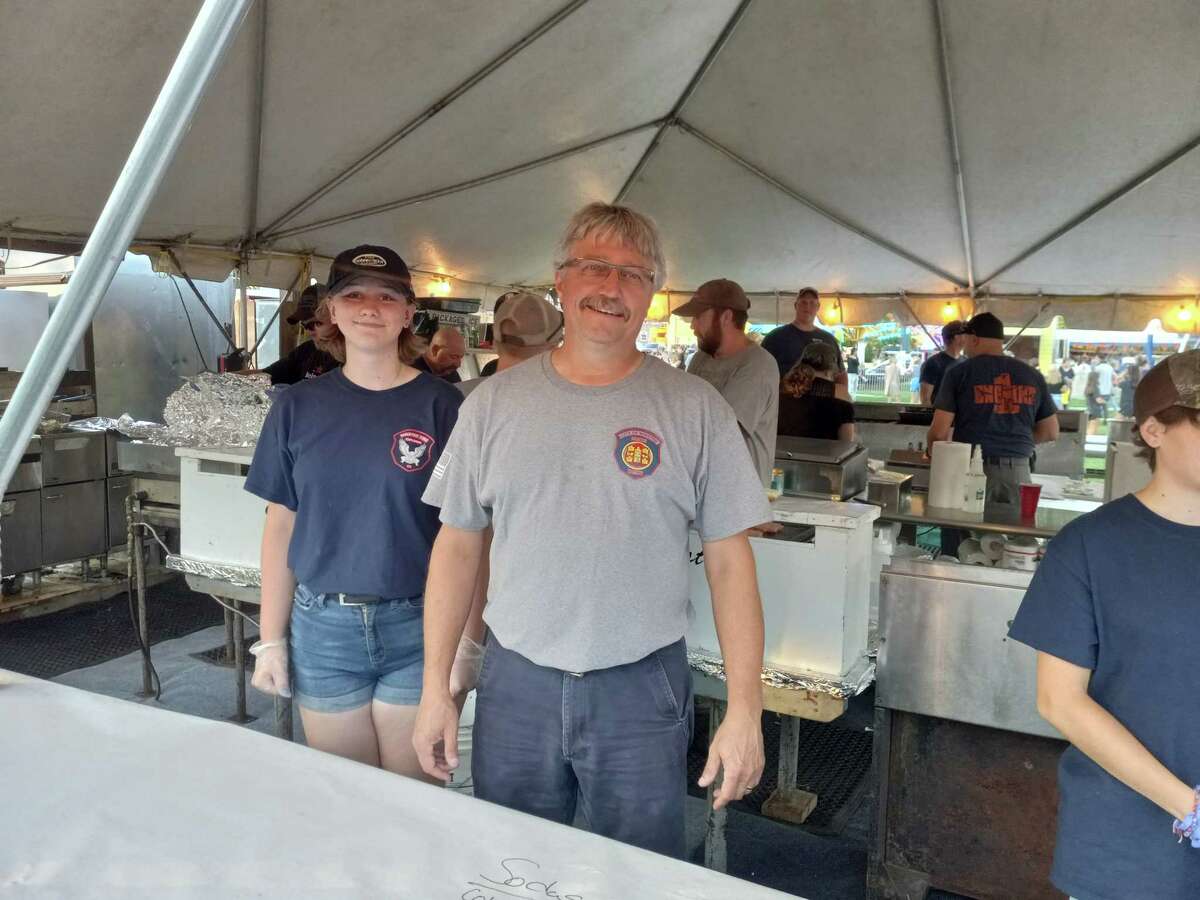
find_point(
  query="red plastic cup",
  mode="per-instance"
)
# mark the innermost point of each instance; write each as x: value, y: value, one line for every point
x: 1030, y: 494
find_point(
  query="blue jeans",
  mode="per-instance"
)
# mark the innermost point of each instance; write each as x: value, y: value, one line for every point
x: 343, y: 657
x: 612, y: 743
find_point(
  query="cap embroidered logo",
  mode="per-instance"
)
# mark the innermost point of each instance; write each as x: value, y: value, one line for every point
x: 638, y: 452
x: 410, y: 449
x: 370, y: 260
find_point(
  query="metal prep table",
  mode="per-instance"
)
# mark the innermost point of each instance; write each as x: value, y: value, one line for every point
x: 884, y: 427
x: 966, y: 768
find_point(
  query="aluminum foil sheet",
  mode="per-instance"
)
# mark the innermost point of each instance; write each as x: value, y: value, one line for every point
x: 218, y: 410
x: 858, y: 681
x: 148, y: 432
x: 240, y: 576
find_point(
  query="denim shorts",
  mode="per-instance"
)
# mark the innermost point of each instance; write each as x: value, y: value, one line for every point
x: 343, y: 657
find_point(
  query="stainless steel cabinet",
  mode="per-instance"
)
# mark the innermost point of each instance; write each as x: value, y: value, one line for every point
x: 73, y: 521
x: 72, y: 457
x: 20, y: 532
x: 118, y: 491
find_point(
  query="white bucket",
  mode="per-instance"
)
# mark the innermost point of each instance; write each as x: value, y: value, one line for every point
x: 1021, y: 553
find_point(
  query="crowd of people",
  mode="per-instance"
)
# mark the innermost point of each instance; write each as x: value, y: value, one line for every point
x: 525, y: 535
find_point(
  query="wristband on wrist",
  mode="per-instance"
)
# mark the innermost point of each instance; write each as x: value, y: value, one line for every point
x: 1189, y: 826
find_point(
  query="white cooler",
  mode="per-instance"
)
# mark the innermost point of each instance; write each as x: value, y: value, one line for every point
x: 219, y: 521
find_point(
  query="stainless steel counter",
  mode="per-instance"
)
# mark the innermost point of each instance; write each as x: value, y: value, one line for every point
x: 884, y: 427
x: 1050, y: 519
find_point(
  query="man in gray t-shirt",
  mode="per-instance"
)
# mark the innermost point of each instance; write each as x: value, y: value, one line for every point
x: 591, y: 464
x: 744, y: 373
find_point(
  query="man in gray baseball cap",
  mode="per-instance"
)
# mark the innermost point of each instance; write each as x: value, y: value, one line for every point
x: 743, y: 373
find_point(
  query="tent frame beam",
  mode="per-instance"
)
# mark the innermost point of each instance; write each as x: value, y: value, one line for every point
x: 463, y: 185
x: 943, y: 44
x: 274, y: 229
x: 1103, y: 203
x: 820, y: 210
x: 209, y: 38
x: 256, y: 133
x: 677, y: 110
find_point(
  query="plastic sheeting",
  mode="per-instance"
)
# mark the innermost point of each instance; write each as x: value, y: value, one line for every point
x: 839, y: 101
x: 117, y: 799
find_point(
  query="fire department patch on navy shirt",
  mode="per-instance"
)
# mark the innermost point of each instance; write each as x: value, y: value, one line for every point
x: 996, y: 401
x: 352, y: 464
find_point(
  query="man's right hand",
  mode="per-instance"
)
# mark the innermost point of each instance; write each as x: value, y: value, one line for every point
x: 435, y: 735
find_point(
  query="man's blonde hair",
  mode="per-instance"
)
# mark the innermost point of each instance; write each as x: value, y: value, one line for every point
x: 604, y: 220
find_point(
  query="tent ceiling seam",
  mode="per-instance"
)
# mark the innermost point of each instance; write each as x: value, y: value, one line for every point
x: 688, y: 90
x: 943, y: 44
x: 463, y: 185
x: 413, y: 124
x: 818, y: 208
x: 1107, y: 200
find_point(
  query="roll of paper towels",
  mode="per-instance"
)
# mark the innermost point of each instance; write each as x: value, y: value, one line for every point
x: 993, y: 546
x: 949, y: 462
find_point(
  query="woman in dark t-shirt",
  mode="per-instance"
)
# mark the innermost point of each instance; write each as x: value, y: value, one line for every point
x: 809, y: 401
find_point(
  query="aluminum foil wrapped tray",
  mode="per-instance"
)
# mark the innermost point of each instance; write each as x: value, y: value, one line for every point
x: 218, y: 410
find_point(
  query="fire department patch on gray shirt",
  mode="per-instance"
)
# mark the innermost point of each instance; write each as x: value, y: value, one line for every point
x: 591, y: 492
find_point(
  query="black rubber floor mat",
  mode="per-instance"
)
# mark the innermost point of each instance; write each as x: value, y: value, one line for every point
x: 218, y: 656
x: 834, y: 763
x: 49, y: 645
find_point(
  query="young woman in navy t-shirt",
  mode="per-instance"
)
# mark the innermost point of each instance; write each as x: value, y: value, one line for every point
x: 1114, y: 613
x: 342, y: 462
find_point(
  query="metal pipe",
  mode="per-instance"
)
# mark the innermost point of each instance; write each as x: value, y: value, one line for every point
x: 677, y: 109
x: 411, y: 126
x: 462, y: 185
x: 275, y: 315
x: 1041, y: 310
x: 817, y: 208
x: 198, y: 59
x: 912, y: 312
x: 952, y: 133
x: 1107, y: 200
x: 199, y: 296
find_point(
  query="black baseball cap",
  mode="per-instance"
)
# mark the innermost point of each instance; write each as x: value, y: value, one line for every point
x: 985, y: 325
x: 370, y: 261
x: 306, y: 306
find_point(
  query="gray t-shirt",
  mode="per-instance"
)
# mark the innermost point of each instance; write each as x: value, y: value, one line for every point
x: 749, y: 382
x: 591, y: 492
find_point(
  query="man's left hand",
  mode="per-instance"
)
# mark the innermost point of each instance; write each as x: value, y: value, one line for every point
x: 765, y: 528
x: 737, y: 752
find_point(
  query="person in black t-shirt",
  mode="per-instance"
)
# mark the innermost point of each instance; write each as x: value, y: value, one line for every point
x: 311, y: 357
x: 954, y: 341
x: 444, y: 356
x: 1000, y: 403
x: 787, y: 342
x: 810, y: 403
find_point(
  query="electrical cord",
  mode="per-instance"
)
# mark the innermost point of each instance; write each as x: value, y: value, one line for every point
x: 191, y: 328
x: 40, y: 262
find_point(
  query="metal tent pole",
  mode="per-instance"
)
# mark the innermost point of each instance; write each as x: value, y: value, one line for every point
x: 198, y: 59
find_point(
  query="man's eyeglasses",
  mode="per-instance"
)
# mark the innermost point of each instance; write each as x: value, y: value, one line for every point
x: 599, y: 270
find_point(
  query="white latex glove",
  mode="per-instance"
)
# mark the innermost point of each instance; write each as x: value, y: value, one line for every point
x: 464, y: 673
x: 271, y: 667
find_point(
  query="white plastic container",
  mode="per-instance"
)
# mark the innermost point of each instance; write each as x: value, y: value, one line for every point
x: 975, y: 485
x: 219, y: 521
x: 1021, y: 553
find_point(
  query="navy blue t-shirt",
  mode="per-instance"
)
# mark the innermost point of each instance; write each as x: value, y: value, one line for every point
x: 933, y: 370
x: 352, y: 464
x: 996, y: 401
x: 787, y: 342
x: 1117, y: 593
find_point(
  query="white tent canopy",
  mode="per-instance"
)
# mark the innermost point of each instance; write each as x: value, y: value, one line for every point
x: 777, y: 142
